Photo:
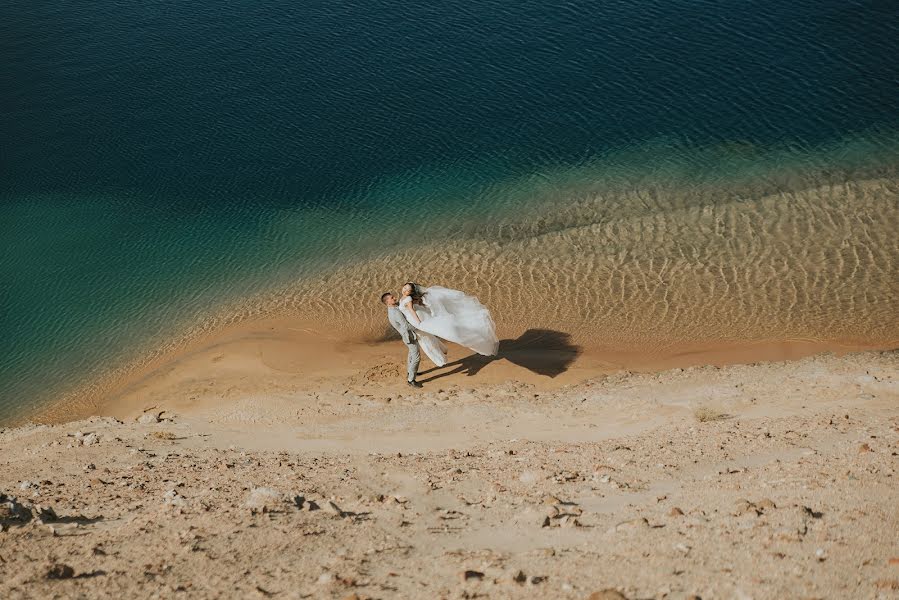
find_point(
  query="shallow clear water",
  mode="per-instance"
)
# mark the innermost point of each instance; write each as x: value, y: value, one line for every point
x: 163, y: 160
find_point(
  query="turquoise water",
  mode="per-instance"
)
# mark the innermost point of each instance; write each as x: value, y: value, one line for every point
x: 162, y: 159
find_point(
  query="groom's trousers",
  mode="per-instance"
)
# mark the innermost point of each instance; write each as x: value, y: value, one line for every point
x: 413, y: 361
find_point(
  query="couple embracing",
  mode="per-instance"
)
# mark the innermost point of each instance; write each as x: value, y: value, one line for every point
x: 425, y: 317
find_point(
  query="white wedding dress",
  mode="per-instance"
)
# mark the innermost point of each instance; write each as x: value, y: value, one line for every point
x: 453, y: 316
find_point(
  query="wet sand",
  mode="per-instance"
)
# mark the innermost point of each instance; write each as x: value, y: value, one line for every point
x: 285, y: 356
x: 626, y: 281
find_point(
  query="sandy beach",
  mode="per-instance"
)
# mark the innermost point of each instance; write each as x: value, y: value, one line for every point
x: 682, y: 217
x: 629, y: 280
x: 768, y: 480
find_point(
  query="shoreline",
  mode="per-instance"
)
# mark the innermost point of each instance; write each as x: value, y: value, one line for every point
x: 288, y: 355
x: 634, y: 282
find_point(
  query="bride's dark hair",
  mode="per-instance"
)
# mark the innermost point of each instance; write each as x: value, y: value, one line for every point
x: 416, y: 291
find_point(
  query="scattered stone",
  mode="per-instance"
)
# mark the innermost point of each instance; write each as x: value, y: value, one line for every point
x: 745, y: 507
x: 469, y: 575
x: 60, y: 571
x: 821, y: 554
x: 147, y: 418
x: 765, y: 504
x: 173, y: 498
x: 864, y: 448
x: 45, y: 514
x: 12, y: 512
x: 675, y: 512
x: 569, y: 521
x: 682, y: 548
x: 537, y: 580
x: 263, y: 499
x: 519, y: 577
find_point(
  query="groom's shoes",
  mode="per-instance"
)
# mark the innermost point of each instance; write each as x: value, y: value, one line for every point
x: 414, y: 384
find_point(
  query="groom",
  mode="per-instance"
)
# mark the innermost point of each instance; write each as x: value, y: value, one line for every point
x: 402, y: 326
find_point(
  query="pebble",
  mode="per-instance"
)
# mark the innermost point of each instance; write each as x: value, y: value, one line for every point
x: 60, y: 571
x: 519, y: 577
x: 172, y: 498
x: 147, y: 418
x: 263, y: 499
x: 675, y: 512
x: 469, y: 575
x: 765, y: 504
x: 45, y: 514
x: 745, y: 507
x: 569, y: 521
x: 11, y: 511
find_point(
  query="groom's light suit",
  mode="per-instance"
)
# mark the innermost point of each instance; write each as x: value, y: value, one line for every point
x: 405, y: 329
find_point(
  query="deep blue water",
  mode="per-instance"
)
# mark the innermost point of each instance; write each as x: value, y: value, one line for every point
x: 157, y: 157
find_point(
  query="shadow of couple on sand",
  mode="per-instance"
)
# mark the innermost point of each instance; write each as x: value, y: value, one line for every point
x: 542, y: 351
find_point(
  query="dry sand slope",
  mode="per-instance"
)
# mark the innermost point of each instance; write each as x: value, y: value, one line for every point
x: 761, y: 481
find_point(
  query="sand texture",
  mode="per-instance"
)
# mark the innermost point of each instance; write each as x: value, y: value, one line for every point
x: 758, y: 481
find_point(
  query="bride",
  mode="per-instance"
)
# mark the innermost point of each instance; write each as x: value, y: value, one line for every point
x: 438, y: 312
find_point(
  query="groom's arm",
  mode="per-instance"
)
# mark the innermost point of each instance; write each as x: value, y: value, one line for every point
x: 402, y: 326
